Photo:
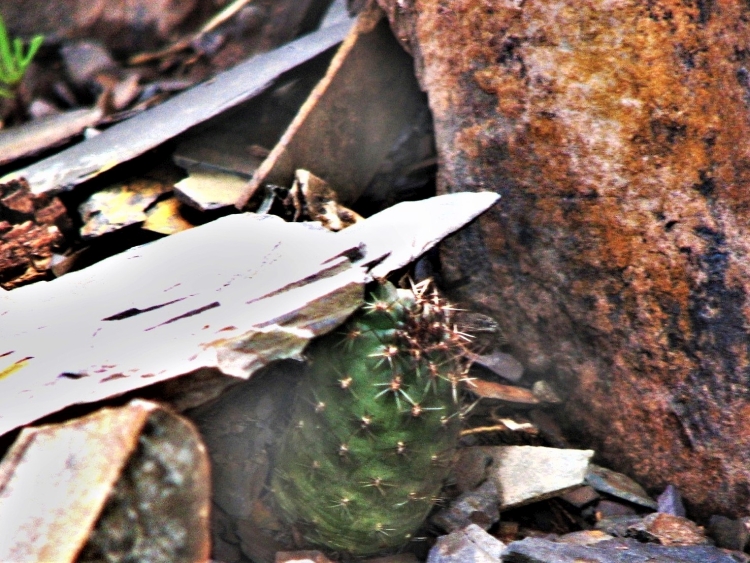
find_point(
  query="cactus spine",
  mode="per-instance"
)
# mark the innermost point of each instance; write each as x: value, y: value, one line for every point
x: 374, y: 425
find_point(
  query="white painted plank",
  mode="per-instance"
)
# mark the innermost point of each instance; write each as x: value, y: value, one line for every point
x: 234, y: 294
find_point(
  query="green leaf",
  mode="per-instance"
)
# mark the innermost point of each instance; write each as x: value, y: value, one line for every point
x: 13, y: 61
x: 34, y: 45
x: 6, y: 57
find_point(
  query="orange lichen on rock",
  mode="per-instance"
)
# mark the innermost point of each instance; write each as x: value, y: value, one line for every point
x: 617, y: 261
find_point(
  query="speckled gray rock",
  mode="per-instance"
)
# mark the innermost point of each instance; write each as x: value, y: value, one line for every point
x: 469, y: 545
x: 535, y: 550
x: 525, y: 474
x: 670, y: 501
x: 478, y: 507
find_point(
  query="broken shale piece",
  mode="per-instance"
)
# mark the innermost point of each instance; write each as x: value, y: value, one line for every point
x: 526, y: 474
x: 537, y: 550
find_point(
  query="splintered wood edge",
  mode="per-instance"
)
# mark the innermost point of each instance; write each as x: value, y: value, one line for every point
x: 75, y: 463
x: 56, y: 479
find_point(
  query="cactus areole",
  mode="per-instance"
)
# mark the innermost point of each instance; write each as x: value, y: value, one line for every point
x: 374, y: 425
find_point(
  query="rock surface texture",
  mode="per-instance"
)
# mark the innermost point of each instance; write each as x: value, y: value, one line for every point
x: 617, y: 261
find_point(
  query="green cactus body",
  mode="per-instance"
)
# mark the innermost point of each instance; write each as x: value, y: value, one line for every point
x: 374, y: 425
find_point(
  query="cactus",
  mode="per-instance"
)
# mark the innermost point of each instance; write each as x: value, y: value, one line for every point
x: 374, y: 425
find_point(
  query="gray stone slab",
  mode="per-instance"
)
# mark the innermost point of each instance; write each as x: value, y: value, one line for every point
x: 536, y: 550
x: 470, y: 545
x: 618, y: 485
x: 526, y: 474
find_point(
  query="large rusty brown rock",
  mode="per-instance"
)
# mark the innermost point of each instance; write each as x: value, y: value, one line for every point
x: 618, y: 134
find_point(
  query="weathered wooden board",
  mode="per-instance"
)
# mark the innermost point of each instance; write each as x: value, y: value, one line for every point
x: 235, y: 295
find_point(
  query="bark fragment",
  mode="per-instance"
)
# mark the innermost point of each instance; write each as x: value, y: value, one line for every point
x: 31, y: 229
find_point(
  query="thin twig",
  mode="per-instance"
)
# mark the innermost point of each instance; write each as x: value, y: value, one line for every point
x: 186, y: 42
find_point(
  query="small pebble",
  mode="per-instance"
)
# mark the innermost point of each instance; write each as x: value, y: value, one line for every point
x: 544, y: 391
x: 478, y: 507
x: 728, y: 533
x: 83, y: 60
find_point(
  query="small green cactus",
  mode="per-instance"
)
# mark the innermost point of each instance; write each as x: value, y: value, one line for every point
x: 13, y: 61
x: 374, y: 425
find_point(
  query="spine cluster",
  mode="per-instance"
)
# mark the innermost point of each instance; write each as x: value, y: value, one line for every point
x: 375, y: 424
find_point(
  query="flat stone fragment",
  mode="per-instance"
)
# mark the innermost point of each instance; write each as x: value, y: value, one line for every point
x: 504, y: 365
x: 526, y: 474
x: 667, y: 529
x: 119, y: 206
x: 618, y: 485
x: 206, y: 190
x: 482, y: 539
x: 477, y: 508
x: 581, y: 496
x: 536, y: 550
x: 470, y: 545
x: 499, y: 392
x: 670, y: 501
